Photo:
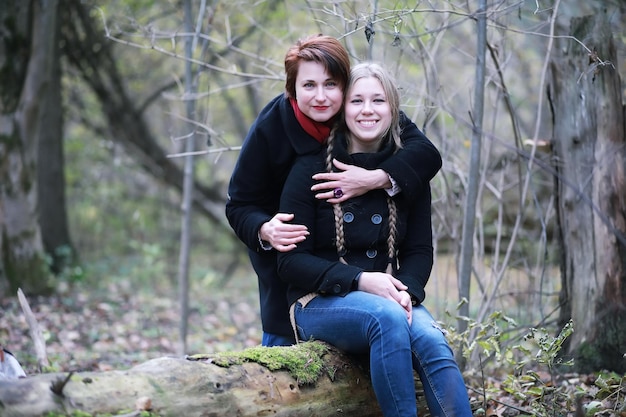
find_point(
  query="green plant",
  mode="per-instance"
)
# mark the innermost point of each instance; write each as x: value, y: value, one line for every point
x: 522, y: 359
x: 544, y: 397
x: 70, y: 269
x: 550, y: 347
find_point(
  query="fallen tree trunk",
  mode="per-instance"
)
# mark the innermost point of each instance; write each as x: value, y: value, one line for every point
x: 310, y: 379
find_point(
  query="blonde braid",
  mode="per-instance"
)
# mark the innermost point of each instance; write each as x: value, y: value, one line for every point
x: 340, y: 240
x: 393, y: 232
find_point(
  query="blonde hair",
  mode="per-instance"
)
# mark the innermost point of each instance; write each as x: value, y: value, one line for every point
x: 374, y: 70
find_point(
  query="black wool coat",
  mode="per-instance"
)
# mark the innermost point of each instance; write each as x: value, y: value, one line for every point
x: 314, y: 265
x: 273, y: 142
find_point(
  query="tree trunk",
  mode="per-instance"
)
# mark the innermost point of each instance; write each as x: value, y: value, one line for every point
x: 188, y: 182
x: 473, y: 177
x: 51, y: 169
x: 26, y: 74
x: 181, y: 387
x: 590, y: 158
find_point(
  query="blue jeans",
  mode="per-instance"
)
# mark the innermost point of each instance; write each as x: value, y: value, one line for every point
x: 362, y: 323
x: 272, y: 339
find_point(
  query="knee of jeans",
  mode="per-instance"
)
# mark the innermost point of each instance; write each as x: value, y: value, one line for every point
x: 430, y: 332
x: 393, y: 317
x: 438, y: 331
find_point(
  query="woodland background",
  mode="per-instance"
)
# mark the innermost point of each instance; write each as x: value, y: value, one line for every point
x: 100, y: 169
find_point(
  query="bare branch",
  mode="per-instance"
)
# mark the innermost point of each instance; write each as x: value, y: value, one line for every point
x: 206, y: 151
x: 35, y: 331
x: 153, y: 46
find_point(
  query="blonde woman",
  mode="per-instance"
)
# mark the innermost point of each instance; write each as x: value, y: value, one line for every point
x: 357, y: 281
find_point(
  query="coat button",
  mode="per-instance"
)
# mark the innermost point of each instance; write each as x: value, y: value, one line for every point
x: 336, y: 288
x: 371, y: 253
x: 377, y: 219
x: 348, y: 217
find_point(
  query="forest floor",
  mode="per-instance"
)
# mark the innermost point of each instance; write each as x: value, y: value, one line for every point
x: 117, y: 327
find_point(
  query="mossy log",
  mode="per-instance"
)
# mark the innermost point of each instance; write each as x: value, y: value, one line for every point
x: 310, y: 379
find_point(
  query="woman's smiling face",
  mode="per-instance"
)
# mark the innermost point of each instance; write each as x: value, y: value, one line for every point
x: 368, y: 114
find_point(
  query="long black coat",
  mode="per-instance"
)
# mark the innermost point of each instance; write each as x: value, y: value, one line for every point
x: 272, y: 144
x: 314, y: 265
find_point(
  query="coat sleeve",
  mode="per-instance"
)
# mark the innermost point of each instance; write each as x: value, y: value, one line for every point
x: 247, y: 206
x: 300, y: 267
x: 415, y: 254
x: 413, y: 166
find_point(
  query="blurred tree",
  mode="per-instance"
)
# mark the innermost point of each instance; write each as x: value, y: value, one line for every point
x: 90, y: 54
x: 51, y: 167
x: 190, y: 147
x: 469, y: 217
x: 589, y: 154
x: 27, y: 54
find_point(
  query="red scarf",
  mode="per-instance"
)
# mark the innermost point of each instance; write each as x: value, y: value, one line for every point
x: 320, y: 131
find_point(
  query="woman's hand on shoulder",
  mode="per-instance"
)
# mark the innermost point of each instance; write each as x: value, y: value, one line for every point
x: 283, y: 236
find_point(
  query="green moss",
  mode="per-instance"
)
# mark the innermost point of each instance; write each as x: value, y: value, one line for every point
x: 28, y: 271
x: 303, y: 361
x: 604, y: 349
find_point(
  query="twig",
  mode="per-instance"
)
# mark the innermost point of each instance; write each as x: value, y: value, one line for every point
x: 59, y: 384
x: 482, y: 377
x: 497, y: 401
x: 205, y: 152
x: 172, y: 54
x: 35, y: 331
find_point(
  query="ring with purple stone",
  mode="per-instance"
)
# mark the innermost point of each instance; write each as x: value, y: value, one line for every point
x: 337, y: 193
